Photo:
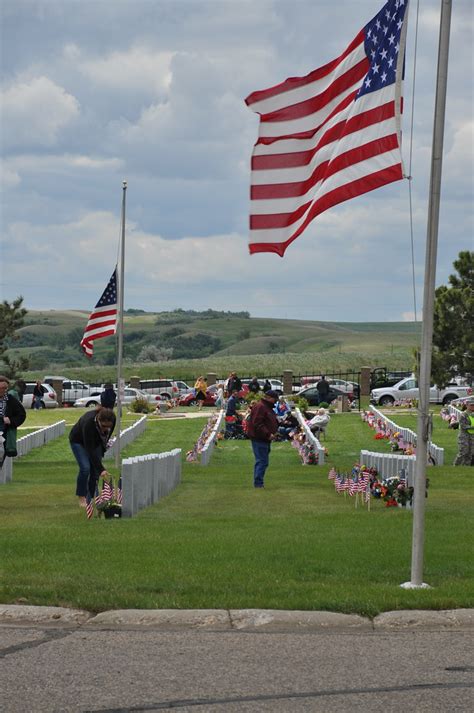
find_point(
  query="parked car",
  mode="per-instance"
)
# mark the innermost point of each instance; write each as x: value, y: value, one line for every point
x: 380, y: 377
x: 49, y: 397
x: 129, y: 395
x: 221, y: 384
x: 72, y: 389
x: 407, y: 389
x: 459, y: 403
x: 310, y: 393
x: 190, y: 399
x: 165, y: 388
x: 349, y: 387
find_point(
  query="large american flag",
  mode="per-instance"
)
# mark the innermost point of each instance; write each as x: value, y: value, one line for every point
x: 102, y: 321
x: 329, y: 136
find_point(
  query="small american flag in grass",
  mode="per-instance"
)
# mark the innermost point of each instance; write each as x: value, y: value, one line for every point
x: 107, y: 491
x: 89, y: 506
x: 118, y: 492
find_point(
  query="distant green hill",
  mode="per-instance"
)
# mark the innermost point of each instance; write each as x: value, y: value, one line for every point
x: 191, y: 341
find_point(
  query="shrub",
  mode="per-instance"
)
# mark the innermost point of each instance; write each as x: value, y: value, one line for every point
x: 140, y: 405
x: 302, y: 404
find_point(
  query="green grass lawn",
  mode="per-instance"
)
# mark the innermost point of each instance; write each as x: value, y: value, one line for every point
x: 218, y: 542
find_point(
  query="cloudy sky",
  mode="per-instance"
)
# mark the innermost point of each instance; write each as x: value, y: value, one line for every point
x: 152, y: 91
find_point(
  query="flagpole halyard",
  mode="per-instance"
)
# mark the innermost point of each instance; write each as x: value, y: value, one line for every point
x: 121, y: 280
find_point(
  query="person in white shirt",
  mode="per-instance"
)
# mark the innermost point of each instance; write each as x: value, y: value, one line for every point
x: 319, y: 422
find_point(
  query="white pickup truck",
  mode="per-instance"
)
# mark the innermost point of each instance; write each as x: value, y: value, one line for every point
x: 72, y: 388
x: 407, y: 389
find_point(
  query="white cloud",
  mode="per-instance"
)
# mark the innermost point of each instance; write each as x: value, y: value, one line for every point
x: 459, y: 157
x: 9, y: 177
x: 35, y: 111
x: 154, y: 92
x: 137, y: 68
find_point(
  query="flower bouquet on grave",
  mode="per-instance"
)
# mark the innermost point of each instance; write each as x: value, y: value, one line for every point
x: 396, y: 492
x: 395, y: 442
x: 108, y: 501
x: 310, y: 456
x: 191, y: 456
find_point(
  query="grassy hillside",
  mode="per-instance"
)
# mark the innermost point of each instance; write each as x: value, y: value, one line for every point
x: 214, y: 341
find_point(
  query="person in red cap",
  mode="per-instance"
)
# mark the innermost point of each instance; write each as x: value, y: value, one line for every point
x: 261, y: 429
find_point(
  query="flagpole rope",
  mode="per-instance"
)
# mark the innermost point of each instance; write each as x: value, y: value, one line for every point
x: 117, y: 263
x: 410, y: 177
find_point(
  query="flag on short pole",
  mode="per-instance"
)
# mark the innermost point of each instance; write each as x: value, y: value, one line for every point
x: 329, y: 136
x: 98, y: 496
x: 107, y: 491
x: 102, y: 321
x: 118, y: 492
x: 89, y: 506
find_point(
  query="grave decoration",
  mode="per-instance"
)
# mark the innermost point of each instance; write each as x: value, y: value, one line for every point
x: 364, y: 483
x: 192, y: 455
x: 356, y: 483
x: 383, y: 431
x: 109, y: 501
x: 395, y: 491
x: 305, y: 448
x: 451, y: 418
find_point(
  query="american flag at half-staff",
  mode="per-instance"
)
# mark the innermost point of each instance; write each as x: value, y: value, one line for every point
x: 102, y: 321
x: 329, y: 136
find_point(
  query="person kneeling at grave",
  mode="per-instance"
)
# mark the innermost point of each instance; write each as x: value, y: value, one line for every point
x: 88, y: 440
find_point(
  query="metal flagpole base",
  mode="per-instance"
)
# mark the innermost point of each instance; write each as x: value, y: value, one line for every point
x: 410, y: 585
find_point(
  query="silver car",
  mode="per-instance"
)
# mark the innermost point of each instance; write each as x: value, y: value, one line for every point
x: 129, y: 394
x: 49, y: 399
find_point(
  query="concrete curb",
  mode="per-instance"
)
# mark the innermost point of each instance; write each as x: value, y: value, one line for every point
x: 418, y: 619
x: 266, y: 620
x: 56, y: 616
x: 215, y: 619
x: 277, y: 620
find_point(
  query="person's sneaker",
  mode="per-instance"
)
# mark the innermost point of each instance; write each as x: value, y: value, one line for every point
x: 259, y: 486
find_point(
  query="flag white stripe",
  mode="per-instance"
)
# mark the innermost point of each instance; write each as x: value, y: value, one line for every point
x: 328, y: 152
x: 308, y: 91
x: 371, y: 101
x: 305, y: 123
x: 91, y: 333
x: 340, y: 179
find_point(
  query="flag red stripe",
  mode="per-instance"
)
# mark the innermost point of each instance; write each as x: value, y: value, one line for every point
x: 297, y: 82
x: 321, y: 173
x: 103, y: 313
x: 338, y: 195
x: 99, y: 325
x: 343, y: 128
x: 103, y: 333
x: 314, y: 104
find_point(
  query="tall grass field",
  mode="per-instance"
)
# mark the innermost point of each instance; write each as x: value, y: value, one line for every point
x: 216, y: 542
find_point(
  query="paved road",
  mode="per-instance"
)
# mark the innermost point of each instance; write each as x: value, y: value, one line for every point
x: 84, y: 669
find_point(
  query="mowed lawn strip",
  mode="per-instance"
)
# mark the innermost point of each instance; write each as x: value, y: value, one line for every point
x: 215, y: 542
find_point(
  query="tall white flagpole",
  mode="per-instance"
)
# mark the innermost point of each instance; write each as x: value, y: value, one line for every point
x: 423, y: 429
x: 121, y: 277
